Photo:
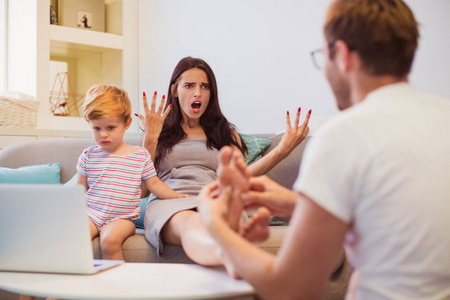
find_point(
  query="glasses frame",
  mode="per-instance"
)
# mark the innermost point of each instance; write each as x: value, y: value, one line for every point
x: 314, y: 58
x: 320, y: 50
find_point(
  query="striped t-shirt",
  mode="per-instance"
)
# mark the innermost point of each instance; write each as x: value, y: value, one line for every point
x: 114, y: 183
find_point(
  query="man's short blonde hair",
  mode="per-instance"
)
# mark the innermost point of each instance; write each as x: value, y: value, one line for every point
x: 106, y: 101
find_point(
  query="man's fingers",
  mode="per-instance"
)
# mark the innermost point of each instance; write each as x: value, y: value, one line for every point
x: 209, y: 188
x: 252, y: 199
x: 256, y: 184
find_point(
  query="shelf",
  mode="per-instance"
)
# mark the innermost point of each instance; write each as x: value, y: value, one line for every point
x: 75, y: 38
x: 43, y: 132
x: 55, y: 133
x: 38, y: 51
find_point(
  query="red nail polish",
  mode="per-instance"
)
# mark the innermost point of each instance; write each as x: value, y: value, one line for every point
x: 288, y: 113
x: 154, y: 93
x: 144, y: 94
x: 164, y: 96
x: 309, y: 111
x: 170, y: 105
x: 299, y: 109
x: 137, y: 114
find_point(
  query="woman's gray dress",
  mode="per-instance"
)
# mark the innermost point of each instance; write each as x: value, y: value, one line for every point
x: 186, y: 169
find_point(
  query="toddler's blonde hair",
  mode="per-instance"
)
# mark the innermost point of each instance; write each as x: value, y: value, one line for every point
x: 104, y: 101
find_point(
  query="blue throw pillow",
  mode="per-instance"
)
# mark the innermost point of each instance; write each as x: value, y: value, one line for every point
x: 255, y: 146
x: 50, y: 173
x: 140, y: 221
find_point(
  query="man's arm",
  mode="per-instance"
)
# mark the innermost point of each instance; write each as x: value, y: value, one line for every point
x: 305, y: 261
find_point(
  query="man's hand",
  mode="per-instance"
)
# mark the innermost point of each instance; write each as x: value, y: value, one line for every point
x: 266, y: 192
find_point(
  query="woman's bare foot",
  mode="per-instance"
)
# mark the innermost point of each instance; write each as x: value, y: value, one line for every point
x: 233, y: 172
x: 256, y: 230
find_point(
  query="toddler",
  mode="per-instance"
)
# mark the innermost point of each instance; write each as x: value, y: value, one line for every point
x: 113, y: 171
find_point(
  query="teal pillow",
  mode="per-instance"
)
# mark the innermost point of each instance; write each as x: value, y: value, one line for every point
x: 32, y: 174
x: 255, y: 146
x: 140, y: 221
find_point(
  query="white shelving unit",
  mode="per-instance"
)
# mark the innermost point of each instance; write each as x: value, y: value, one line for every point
x: 93, y: 57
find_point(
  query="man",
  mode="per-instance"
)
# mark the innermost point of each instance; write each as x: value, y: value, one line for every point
x: 377, y: 176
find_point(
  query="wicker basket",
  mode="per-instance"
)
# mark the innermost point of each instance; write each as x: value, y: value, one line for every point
x: 13, y: 115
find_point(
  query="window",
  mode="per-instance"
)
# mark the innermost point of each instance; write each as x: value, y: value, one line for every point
x: 3, y: 44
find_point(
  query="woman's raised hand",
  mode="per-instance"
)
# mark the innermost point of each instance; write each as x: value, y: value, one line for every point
x: 294, y: 135
x: 153, y: 121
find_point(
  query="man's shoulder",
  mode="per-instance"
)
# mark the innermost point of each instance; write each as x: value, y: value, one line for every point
x: 343, y: 121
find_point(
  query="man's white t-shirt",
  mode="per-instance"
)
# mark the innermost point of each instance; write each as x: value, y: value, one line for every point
x: 383, y: 167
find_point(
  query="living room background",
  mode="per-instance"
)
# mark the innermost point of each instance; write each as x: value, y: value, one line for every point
x: 260, y: 53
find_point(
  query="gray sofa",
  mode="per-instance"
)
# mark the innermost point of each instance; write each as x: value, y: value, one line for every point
x: 136, y: 248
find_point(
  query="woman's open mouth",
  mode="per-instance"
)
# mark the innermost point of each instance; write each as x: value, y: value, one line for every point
x: 196, y: 106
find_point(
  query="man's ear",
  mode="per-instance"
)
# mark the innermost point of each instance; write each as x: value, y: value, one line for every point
x: 342, y: 56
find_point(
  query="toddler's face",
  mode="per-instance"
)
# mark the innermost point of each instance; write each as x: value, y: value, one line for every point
x: 108, y: 132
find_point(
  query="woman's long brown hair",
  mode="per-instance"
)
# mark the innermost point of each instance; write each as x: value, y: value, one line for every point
x: 217, y: 128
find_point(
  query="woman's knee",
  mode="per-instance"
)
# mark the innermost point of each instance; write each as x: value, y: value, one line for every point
x: 179, y: 225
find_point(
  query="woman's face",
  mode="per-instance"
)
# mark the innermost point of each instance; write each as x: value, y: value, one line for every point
x: 193, y: 92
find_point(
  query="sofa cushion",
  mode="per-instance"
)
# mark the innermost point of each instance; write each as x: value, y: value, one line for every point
x: 73, y: 180
x: 49, y: 173
x: 140, y: 221
x: 255, y: 145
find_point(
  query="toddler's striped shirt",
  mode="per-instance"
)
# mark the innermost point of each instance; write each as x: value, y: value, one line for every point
x: 114, y: 183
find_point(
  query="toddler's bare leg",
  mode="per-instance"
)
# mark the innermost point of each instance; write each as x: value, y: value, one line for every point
x: 93, y: 228
x: 112, y: 237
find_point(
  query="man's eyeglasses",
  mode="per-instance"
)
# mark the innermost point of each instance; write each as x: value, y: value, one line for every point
x: 317, y: 58
x: 317, y: 55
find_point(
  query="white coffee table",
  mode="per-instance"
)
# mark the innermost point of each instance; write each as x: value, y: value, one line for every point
x: 131, y: 281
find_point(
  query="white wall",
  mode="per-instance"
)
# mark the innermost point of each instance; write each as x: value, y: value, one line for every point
x: 259, y: 51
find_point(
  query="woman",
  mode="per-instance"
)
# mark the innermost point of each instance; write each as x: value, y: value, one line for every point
x: 184, y: 142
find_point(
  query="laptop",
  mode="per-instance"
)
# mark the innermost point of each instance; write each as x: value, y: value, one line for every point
x: 44, y: 228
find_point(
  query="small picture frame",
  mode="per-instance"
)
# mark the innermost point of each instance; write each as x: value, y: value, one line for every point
x: 84, y: 20
x: 83, y: 14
